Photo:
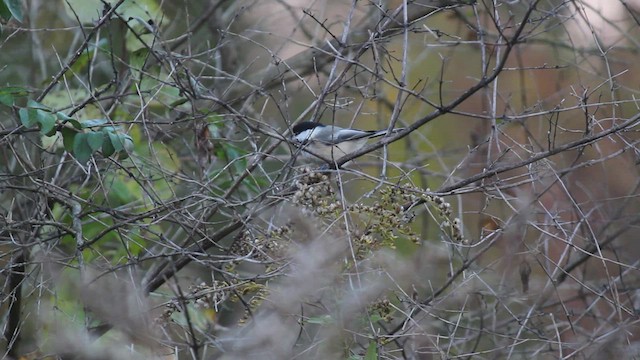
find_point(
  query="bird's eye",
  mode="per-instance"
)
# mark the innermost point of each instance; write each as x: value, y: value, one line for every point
x: 297, y: 140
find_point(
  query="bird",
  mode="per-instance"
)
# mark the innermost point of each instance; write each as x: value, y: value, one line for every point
x: 330, y: 142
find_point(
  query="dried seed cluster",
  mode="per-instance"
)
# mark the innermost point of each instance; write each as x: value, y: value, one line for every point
x: 385, y: 219
x: 210, y: 297
x: 261, y: 247
x: 383, y: 308
x: 260, y: 293
x: 314, y: 193
x: 202, y: 296
x: 372, y: 226
x: 454, y: 225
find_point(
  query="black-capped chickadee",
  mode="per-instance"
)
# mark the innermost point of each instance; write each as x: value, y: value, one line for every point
x: 329, y: 142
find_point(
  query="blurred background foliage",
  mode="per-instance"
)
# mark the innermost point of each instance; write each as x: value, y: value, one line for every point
x: 139, y: 137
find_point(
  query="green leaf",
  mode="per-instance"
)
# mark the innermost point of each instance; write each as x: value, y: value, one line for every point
x: 405, y: 246
x: 36, y: 105
x: 82, y: 61
x: 68, y: 137
x: 28, y: 117
x: 136, y: 247
x: 178, y: 102
x: 90, y: 10
x: 89, y: 54
x: 47, y: 122
x: 51, y: 143
x: 374, y: 318
x: 81, y: 149
x: 321, y: 320
x: 116, y: 142
x: 95, y: 140
x: 120, y: 141
x: 138, y: 58
x: 16, y: 91
x: 14, y: 7
x: 4, y: 12
x: 140, y: 34
x: 128, y: 145
x: 63, y: 117
x: 120, y: 193
x: 8, y: 94
x: 107, y: 147
x: 6, y: 99
x: 372, y: 351
x: 68, y: 119
x: 93, y: 122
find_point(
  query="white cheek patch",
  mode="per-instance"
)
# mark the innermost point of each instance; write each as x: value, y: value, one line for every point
x: 304, y: 136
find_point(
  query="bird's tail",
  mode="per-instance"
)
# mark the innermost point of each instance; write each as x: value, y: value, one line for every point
x: 384, y: 132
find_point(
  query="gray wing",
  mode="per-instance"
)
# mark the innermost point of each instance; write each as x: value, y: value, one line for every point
x: 332, y: 135
x: 351, y: 134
